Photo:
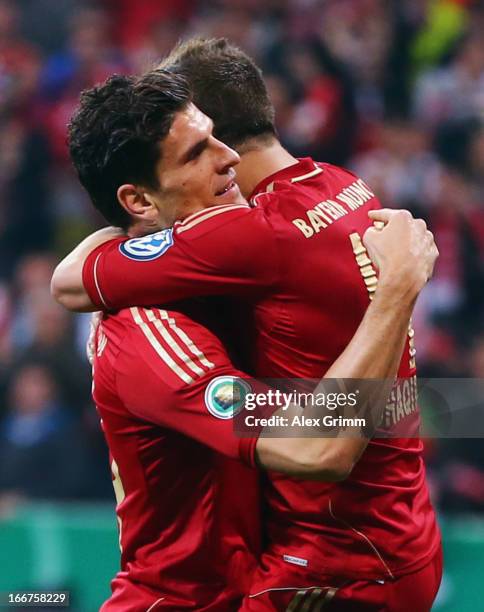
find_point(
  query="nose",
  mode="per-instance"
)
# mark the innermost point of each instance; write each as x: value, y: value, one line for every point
x: 226, y: 157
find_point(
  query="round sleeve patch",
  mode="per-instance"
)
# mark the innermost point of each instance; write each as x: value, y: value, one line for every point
x: 225, y: 396
x: 149, y: 247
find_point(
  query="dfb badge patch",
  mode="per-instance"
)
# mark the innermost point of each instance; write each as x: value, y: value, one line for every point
x: 225, y: 396
x: 148, y: 247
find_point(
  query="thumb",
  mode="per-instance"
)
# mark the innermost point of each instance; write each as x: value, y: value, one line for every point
x: 369, y: 235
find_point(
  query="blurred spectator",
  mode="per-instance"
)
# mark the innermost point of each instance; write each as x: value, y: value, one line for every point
x: 359, y: 35
x: 52, y: 344
x: 322, y: 120
x: 19, y: 66
x: 460, y: 478
x: 458, y: 282
x: 43, y: 331
x: 399, y: 164
x: 48, y: 34
x: 442, y: 23
x: 133, y: 19
x: 42, y: 453
x: 160, y: 38
x: 89, y: 57
x: 32, y: 278
x: 26, y: 222
x: 475, y: 158
x: 455, y: 91
x: 24, y: 161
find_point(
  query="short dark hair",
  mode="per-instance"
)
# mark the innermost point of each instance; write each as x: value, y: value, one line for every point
x: 227, y: 86
x: 114, y: 135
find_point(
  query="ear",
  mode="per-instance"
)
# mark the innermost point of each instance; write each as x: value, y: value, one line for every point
x: 136, y: 202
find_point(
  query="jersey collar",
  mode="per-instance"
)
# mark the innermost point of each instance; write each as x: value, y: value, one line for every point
x: 305, y: 168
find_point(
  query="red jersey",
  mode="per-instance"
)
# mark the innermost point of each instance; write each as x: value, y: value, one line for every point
x: 187, y: 506
x: 296, y: 258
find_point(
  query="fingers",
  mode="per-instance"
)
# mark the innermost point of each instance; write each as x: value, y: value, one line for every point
x: 385, y: 214
x: 91, y: 341
x: 402, y: 243
x: 420, y: 224
x: 433, y: 253
x: 369, y: 234
x: 403, y: 218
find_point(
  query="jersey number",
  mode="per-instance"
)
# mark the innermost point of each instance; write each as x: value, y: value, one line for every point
x: 368, y: 273
x: 120, y: 495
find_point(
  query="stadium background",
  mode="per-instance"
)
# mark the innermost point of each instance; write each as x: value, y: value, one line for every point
x: 391, y: 89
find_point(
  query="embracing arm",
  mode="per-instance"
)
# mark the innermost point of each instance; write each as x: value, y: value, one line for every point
x: 66, y: 285
x: 217, y: 253
x: 405, y: 253
x: 373, y: 353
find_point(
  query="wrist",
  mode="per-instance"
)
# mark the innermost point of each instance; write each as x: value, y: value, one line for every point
x: 395, y: 293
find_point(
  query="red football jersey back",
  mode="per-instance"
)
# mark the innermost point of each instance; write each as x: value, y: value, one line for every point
x: 379, y: 522
x: 187, y: 506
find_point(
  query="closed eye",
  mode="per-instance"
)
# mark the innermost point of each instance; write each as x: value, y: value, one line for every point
x: 196, y: 150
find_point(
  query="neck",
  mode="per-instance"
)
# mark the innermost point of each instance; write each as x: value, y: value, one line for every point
x: 142, y: 228
x: 260, y: 161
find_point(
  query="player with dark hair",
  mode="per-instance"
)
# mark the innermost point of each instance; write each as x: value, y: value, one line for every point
x: 298, y: 259
x: 114, y: 139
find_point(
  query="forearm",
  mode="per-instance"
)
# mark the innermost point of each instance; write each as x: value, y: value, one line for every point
x: 66, y: 284
x: 373, y: 353
x: 376, y: 348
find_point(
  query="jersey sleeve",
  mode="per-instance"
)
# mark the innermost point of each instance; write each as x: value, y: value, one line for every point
x: 220, y: 251
x: 175, y: 373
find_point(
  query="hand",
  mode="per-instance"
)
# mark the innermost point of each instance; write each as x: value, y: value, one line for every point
x: 66, y: 285
x: 96, y: 318
x: 404, y: 250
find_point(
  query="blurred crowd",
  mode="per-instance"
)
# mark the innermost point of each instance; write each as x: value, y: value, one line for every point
x: 393, y: 89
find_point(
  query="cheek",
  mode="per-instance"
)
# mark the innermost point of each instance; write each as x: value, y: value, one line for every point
x: 198, y: 181
x: 175, y: 183
x: 189, y: 183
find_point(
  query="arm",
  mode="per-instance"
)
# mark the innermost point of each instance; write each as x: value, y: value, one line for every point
x: 179, y: 361
x: 66, y: 284
x: 405, y: 253
x: 217, y: 255
x: 180, y: 390
x: 373, y: 353
x: 171, y: 399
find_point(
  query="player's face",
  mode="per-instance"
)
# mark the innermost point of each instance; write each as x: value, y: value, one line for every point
x: 195, y: 170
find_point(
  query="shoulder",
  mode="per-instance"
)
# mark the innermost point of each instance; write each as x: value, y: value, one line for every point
x: 213, y: 219
x: 227, y: 236
x: 331, y: 170
x: 169, y: 345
